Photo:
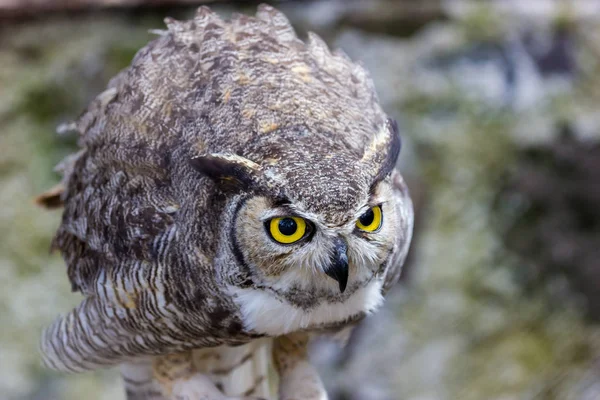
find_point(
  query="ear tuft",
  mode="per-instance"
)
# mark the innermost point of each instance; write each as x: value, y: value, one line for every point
x: 229, y: 171
x: 51, y: 198
x: 383, y: 151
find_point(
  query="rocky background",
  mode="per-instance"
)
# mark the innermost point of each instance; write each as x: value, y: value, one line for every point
x: 498, y: 103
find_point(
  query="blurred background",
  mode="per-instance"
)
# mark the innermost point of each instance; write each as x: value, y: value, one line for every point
x: 499, y: 107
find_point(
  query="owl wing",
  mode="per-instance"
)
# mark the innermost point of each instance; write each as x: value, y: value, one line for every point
x: 405, y: 221
x: 145, y: 292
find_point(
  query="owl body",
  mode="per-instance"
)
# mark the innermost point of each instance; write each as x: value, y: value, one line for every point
x: 220, y: 194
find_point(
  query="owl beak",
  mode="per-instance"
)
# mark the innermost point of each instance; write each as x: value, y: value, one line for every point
x: 338, y: 266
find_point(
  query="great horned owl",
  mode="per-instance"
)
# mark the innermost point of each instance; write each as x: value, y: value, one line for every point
x: 235, y: 192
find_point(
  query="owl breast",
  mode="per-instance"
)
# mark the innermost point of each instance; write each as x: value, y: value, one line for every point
x: 237, y: 370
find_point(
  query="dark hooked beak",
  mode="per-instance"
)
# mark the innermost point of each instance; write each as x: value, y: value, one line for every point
x: 338, y: 265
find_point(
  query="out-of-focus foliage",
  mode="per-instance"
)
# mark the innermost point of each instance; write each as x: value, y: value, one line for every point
x: 501, y: 151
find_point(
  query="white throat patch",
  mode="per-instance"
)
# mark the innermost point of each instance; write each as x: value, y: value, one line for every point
x: 264, y: 313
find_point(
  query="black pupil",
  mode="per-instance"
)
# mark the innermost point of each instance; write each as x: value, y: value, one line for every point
x: 367, y: 218
x: 287, y: 226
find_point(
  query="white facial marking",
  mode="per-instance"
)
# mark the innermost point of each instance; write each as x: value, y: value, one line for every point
x: 264, y: 313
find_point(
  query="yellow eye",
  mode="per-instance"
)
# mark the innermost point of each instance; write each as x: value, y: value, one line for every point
x: 371, y: 220
x: 287, y: 230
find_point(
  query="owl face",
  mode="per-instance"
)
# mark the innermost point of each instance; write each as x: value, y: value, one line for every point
x: 293, y: 248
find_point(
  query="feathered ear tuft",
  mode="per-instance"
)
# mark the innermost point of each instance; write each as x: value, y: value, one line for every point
x: 51, y: 198
x: 229, y: 171
x: 382, y: 153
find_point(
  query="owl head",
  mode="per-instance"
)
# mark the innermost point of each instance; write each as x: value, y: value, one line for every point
x: 312, y: 233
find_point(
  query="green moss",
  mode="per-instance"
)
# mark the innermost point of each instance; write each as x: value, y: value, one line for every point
x: 483, y: 24
x: 45, y: 102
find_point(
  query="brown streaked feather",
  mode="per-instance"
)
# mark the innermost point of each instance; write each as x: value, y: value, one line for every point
x: 238, y: 371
